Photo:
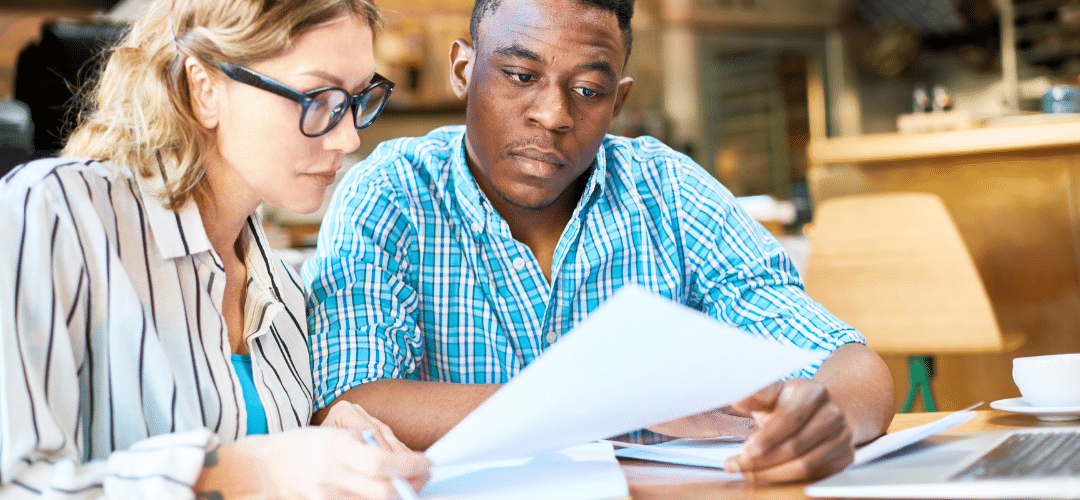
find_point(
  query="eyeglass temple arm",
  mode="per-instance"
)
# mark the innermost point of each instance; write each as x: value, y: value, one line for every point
x: 242, y: 75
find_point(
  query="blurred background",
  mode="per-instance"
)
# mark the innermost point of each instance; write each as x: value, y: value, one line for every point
x: 789, y: 103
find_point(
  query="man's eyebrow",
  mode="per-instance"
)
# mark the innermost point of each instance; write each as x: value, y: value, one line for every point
x: 601, y: 66
x: 517, y: 50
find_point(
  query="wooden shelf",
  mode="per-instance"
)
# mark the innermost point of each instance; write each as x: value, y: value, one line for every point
x: 891, y: 147
x: 761, y: 14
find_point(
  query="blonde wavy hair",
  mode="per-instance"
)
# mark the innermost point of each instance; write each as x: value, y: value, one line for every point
x: 138, y: 114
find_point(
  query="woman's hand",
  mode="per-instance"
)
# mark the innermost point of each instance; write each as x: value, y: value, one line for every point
x: 351, y: 417
x: 312, y: 463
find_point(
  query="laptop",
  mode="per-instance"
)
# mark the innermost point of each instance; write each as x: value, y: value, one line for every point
x: 1028, y: 463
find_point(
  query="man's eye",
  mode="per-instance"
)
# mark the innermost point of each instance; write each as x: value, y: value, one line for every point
x: 587, y: 92
x: 519, y: 77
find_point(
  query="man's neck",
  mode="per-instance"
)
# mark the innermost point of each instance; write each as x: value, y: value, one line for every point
x: 540, y: 229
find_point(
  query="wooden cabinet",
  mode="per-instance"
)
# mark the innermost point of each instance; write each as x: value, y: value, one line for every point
x: 1014, y: 192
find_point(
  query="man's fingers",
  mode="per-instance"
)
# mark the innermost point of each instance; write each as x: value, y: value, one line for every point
x: 798, y: 405
x: 802, y: 436
x: 825, y: 427
x: 829, y: 457
x: 762, y: 400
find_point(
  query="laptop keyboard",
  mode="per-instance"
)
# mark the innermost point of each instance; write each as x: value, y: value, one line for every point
x: 1036, y: 454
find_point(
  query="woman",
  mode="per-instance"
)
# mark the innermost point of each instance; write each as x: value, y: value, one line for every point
x: 148, y: 332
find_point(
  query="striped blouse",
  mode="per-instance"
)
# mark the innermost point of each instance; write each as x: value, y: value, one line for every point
x: 116, y: 375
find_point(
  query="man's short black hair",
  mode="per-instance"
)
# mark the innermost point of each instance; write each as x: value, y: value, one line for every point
x: 623, y: 9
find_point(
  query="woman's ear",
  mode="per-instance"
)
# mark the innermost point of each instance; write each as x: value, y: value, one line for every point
x: 204, y: 95
x: 461, y: 64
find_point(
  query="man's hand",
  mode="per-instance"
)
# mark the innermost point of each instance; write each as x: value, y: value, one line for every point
x: 803, y: 429
x: 801, y: 434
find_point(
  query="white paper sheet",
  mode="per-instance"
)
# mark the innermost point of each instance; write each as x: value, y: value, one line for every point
x: 892, y: 442
x: 584, y: 472
x: 709, y: 452
x: 638, y: 360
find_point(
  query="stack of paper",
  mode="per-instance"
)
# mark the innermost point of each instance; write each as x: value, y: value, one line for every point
x: 710, y: 452
x: 638, y: 360
x: 584, y: 472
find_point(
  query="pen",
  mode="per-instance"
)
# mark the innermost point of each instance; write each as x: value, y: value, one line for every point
x: 403, y: 489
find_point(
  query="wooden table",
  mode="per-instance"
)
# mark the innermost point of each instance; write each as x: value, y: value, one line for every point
x: 654, y: 481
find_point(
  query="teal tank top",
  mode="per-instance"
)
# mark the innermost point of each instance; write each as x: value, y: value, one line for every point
x: 256, y: 414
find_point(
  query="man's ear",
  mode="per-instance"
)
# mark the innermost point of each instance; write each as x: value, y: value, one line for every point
x: 625, y: 85
x: 461, y: 65
x: 204, y: 96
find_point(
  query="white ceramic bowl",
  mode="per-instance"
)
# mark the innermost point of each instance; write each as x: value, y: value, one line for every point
x: 1049, y: 381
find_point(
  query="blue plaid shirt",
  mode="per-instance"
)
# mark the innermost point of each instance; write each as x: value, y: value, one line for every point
x: 416, y: 276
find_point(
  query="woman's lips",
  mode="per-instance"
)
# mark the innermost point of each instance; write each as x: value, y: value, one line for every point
x: 324, y: 178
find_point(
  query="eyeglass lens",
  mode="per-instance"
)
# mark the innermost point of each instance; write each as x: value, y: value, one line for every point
x: 327, y: 108
x: 371, y: 105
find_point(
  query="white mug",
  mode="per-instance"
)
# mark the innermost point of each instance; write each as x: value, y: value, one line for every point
x: 1051, y: 381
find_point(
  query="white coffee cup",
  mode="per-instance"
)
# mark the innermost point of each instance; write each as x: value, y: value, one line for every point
x: 1051, y: 381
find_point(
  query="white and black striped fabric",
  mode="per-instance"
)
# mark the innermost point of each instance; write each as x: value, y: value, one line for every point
x: 116, y: 375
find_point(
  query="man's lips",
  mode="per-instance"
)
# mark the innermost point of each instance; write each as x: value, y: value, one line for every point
x: 549, y: 157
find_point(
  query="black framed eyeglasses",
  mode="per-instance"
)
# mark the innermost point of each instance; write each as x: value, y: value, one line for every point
x: 322, y: 107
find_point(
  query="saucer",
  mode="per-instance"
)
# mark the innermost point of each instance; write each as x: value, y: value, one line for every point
x: 1047, y: 413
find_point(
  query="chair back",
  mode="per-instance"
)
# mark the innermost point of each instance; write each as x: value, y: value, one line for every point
x: 895, y: 267
x: 16, y: 135
x: 49, y: 73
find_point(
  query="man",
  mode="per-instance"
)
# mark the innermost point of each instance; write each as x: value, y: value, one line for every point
x: 449, y: 262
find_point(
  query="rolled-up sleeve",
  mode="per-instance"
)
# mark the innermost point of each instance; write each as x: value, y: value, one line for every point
x: 741, y: 275
x: 361, y: 307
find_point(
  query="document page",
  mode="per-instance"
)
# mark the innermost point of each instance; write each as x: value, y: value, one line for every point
x: 638, y: 360
x: 707, y: 452
x: 891, y: 442
x: 583, y: 472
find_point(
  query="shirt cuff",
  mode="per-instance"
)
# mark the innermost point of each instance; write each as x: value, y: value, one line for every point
x: 161, y: 467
